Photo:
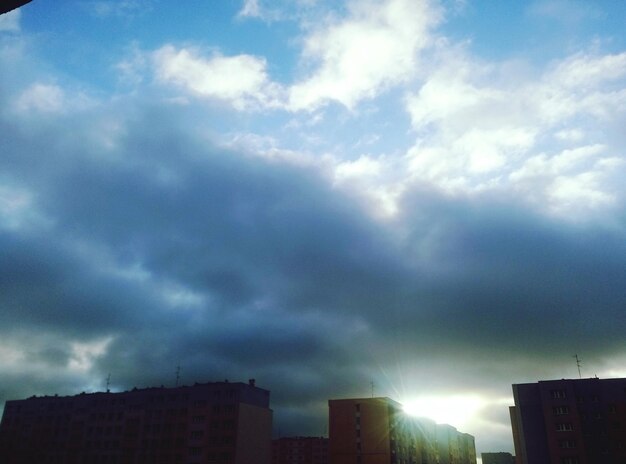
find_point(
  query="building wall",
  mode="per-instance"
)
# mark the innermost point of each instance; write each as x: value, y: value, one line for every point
x: 254, y: 435
x: 377, y: 431
x: 359, y: 431
x: 581, y: 421
x: 217, y: 422
x: 300, y: 450
x: 497, y: 458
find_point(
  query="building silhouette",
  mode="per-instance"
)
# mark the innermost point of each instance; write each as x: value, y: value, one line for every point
x: 8, y: 5
x: 377, y: 431
x: 216, y: 422
x: 300, y: 450
x: 580, y: 421
x: 497, y: 458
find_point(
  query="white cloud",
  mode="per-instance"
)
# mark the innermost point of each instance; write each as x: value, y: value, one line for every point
x: 18, y: 211
x: 84, y: 354
x: 45, y: 98
x: 10, y: 22
x: 372, y: 180
x: 571, y: 179
x: 375, y: 47
x: 240, y: 80
x: 567, y: 11
x: 106, y: 8
x: 479, y: 127
x: 250, y: 8
x: 582, y: 71
x: 570, y: 135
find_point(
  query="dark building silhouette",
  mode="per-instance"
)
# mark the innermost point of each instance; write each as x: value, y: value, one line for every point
x: 581, y: 421
x: 300, y: 450
x: 217, y: 422
x: 497, y: 458
x: 8, y: 5
x: 377, y: 431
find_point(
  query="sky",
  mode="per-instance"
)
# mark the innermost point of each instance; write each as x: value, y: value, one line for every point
x: 417, y: 199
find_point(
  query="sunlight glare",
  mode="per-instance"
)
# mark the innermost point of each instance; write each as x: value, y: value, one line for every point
x: 455, y: 410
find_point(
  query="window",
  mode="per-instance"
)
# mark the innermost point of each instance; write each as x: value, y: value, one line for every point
x: 556, y: 394
x: 560, y: 410
x: 569, y: 460
x: 564, y: 427
x: 566, y: 444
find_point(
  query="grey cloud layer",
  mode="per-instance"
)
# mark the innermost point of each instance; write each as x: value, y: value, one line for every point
x: 233, y: 266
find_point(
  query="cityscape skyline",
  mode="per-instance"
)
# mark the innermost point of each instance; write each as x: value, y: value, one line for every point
x: 426, y: 195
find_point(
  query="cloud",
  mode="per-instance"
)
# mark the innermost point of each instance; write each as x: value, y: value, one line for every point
x: 240, y: 80
x: 374, y: 47
x: 10, y: 22
x: 139, y: 234
x: 46, y: 98
x: 251, y: 265
x: 357, y: 57
x: 250, y: 8
x: 123, y: 8
x: 473, y: 136
x: 567, y: 11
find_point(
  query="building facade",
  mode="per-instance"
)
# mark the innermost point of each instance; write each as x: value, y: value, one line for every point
x: 216, y: 422
x: 377, y: 431
x: 580, y: 421
x: 300, y: 450
x: 497, y: 458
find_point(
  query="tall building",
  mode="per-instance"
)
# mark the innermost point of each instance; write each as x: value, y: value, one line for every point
x: 581, y: 421
x: 300, y: 450
x: 377, y: 431
x: 497, y: 458
x: 218, y: 422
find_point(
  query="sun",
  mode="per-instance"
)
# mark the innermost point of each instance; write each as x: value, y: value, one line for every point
x: 455, y: 410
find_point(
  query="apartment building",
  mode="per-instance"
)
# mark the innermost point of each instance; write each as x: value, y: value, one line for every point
x: 570, y: 421
x: 300, y: 450
x: 215, y: 422
x: 377, y: 431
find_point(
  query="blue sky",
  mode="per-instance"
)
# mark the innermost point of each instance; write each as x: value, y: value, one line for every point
x: 423, y: 194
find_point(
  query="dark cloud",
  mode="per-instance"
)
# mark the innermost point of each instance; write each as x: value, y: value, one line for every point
x: 182, y: 252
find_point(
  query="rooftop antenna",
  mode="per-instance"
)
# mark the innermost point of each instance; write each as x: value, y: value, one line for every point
x: 372, y: 387
x: 578, y: 365
x: 177, y: 374
x: 108, y: 382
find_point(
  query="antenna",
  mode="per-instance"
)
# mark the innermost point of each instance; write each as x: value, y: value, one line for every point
x: 578, y: 365
x: 372, y: 387
x: 108, y: 382
x: 177, y: 374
